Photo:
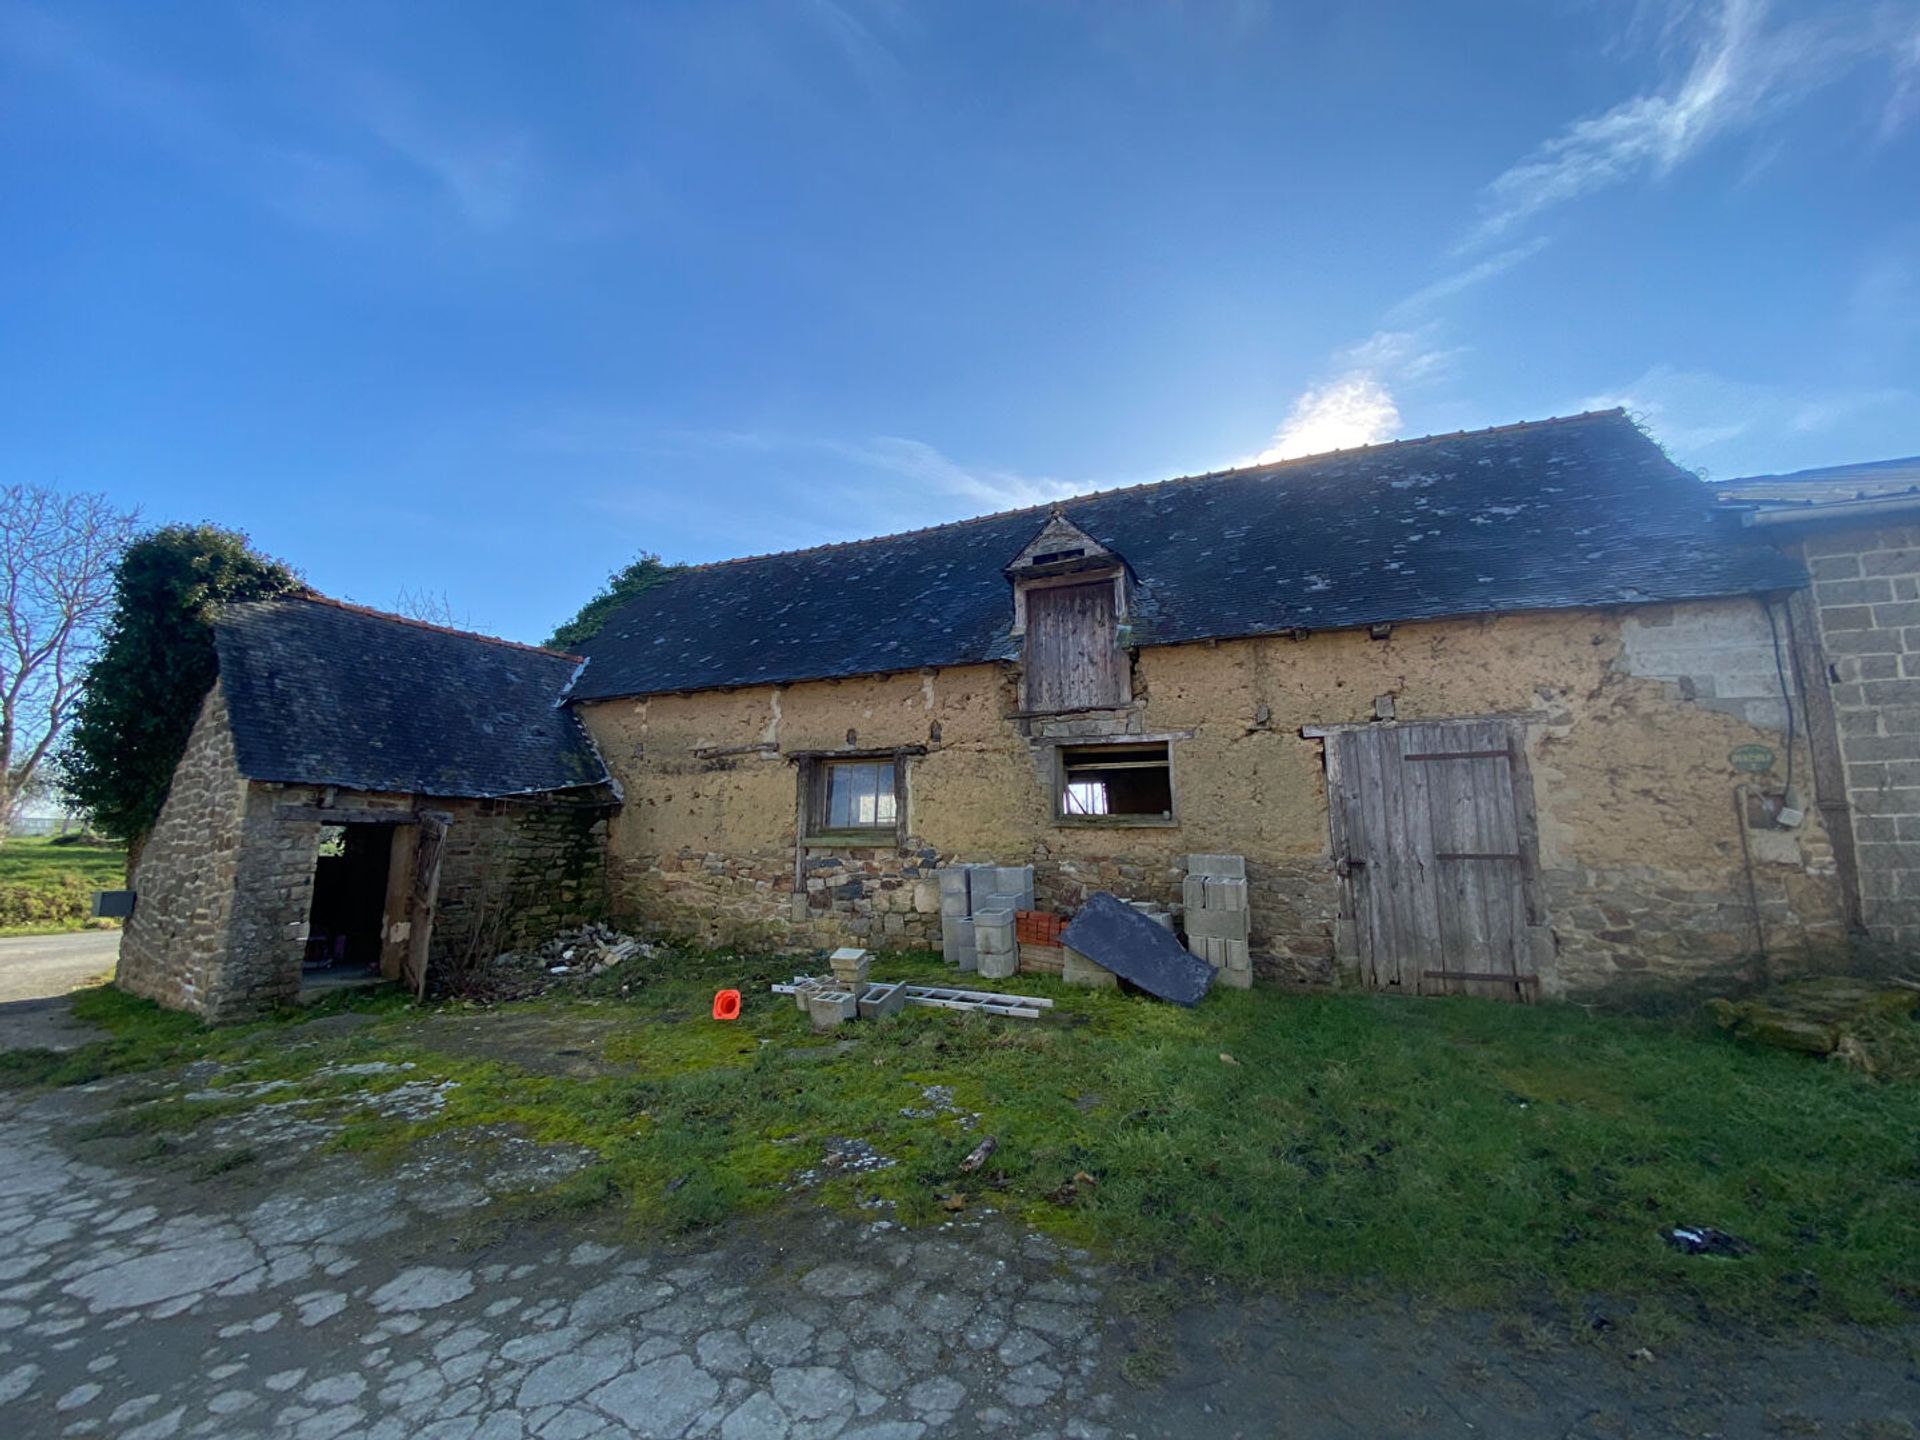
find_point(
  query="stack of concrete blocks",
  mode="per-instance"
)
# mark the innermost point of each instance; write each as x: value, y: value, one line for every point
x: 968, y: 892
x: 997, y: 952
x: 1217, y: 919
x: 852, y: 967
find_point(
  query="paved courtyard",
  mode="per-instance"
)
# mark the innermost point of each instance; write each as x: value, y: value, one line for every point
x: 249, y: 1282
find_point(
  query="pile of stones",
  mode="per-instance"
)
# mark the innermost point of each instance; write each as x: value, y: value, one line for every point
x: 568, y: 958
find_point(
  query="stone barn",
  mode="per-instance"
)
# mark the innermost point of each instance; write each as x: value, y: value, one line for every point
x: 363, y: 795
x: 1508, y: 712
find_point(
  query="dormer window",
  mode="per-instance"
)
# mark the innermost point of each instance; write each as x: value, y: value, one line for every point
x: 1070, y: 605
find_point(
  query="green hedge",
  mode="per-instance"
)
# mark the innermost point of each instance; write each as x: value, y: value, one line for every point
x: 57, y: 900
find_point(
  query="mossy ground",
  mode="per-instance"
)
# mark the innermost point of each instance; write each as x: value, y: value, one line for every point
x: 1467, y: 1152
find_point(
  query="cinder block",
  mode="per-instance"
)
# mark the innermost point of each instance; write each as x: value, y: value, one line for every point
x: 1238, y: 979
x: 1226, y: 894
x: 804, y: 989
x: 847, y: 955
x: 1077, y: 969
x: 880, y: 1001
x: 954, y: 903
x: 853, y: 974
x: 829, y: 1008
x: 1213, y: 950
x: 967, y: 960
x: 1193, y: 892
x: 1218, y: 924
x: 1230, y: 866
x: 999, y: 966
x: 993, y: 933
x: 1235, y: 955
x: 953, y: 880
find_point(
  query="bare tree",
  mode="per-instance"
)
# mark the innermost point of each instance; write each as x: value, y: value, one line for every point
x: 57, y: 558
x: 434, y: 609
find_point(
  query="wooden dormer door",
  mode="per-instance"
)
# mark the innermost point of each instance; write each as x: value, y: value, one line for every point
x: 1074, y: 660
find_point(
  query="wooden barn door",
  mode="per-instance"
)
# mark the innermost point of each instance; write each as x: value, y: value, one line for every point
x: 431, y: 842
x: 1074, y: 660
x: 1433, y: 833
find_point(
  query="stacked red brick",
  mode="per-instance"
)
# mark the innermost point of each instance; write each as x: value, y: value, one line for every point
x: 1038, y: 934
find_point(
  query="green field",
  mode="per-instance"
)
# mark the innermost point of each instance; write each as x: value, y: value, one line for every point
x: 1461, y: 1151
x: 47, y: 888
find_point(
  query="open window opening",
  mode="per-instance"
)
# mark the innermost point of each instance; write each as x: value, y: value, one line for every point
x: 1116, y: 784
x: 346, y: 922
x: 858, y: 800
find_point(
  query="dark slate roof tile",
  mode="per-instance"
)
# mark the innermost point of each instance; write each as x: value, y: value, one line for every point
x: 322, y: 693
x: 1546, y: 515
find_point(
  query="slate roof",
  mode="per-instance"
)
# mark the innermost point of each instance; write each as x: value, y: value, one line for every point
x: 322, y: 693
x: 1827, y: 485
x: 1544, y: 515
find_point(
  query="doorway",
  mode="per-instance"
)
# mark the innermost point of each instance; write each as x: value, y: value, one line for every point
x: 1434, y: 840
x: 346, y: 924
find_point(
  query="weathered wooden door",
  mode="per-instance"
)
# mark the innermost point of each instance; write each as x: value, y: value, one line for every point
x: 430, y: 842
x: 1074, y: 660
x: 1433, y: 832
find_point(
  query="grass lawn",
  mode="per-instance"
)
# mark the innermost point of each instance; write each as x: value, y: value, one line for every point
x: 46, y: 889
x: 1462, y: 1151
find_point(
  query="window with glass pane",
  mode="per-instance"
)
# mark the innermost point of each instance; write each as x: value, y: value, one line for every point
x: 860, y: 796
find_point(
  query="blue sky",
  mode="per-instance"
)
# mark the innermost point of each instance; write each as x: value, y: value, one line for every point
x: 479, y: 299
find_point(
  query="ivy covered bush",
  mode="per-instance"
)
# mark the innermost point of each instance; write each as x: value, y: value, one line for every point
x: 155, y: 666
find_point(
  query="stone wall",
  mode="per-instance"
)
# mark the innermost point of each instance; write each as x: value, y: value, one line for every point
x: 515, y: 871
x: 172, y: 944
x: 225, y: 882
x: 1866, y: 601
x: 1630, y: 755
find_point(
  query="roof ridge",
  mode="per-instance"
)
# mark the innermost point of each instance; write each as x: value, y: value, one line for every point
x: 314, y: 597
x: 1049, y: 505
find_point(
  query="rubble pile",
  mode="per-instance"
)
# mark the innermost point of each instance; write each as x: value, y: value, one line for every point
x: 567, y: 959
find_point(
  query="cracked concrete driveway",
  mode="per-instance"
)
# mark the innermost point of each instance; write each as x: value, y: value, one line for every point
x: 307, y: 1293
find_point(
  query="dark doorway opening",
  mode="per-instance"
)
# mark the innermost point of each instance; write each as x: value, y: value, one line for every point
x: 350, y: 876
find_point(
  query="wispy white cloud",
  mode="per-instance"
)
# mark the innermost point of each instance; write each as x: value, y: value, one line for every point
x: 1703, y: 416
x: 922, y: 465
x: 808, y: 487
x: 1740, y: 72
x: 1422, y: 301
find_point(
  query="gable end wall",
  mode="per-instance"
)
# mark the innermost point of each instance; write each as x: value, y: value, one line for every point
x: 172, y: 945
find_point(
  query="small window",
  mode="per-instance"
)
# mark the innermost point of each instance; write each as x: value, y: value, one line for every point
x: 1116, y: 784
x: 854, y: 798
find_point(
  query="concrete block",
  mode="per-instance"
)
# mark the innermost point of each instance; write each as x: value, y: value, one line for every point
x: 853, y: 974
x: 1229, y: 866
x: 1217, y: 924
x: 803, y: 991
x: 828, y: 1008
x: 879, y: 1001
x: 1226, y: 894
x: 1234, y: 955
x: 1077, y: 969
x: 1013, y: 883
x: 967, y: 960
x: 1238, y: 979
x: 847, y: 955
x: 952, y: 903
x: 953, y: 880
x: 1193, y: 892
x: 999, y: 966
x: 993, y: 933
